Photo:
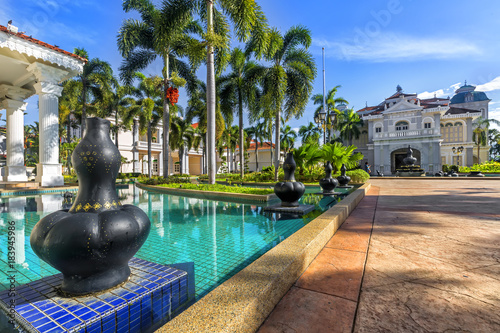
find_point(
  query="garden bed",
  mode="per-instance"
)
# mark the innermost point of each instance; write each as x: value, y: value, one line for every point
x: 208, y: 194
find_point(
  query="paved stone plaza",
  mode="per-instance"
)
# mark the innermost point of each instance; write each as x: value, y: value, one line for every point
x: 419, y: 255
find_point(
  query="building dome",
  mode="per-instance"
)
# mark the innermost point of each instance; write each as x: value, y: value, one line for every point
x: 467, y: 94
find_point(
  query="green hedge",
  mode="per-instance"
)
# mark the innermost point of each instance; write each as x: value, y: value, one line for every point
x: 220, y: 188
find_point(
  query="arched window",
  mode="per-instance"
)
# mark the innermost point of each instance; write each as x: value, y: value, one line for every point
x: 401, y: 126
x: 453, y: 132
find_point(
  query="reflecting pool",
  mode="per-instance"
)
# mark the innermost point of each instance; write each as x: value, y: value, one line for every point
x: 220, y: 238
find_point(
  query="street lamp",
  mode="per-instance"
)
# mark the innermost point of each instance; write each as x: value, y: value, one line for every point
x: 458, y: 151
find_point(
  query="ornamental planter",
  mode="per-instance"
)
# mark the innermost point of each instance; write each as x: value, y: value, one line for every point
x: 328, y: 184
x: 92, y: 242
x: 289, y: 191
x: 343, y: 178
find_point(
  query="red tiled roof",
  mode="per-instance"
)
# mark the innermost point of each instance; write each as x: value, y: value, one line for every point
x: 39, y: 42
x: 400, y: 94
x: 195, y: 125
x: 263, y: 145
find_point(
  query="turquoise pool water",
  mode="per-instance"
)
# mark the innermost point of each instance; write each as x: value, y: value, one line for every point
x: 220, y: 238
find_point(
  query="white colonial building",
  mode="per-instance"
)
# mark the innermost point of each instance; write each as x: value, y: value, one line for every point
x: 28, y: 67
x: 439, y: 130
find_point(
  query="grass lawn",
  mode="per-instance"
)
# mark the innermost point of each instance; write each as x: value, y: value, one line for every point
x: 220, y: 188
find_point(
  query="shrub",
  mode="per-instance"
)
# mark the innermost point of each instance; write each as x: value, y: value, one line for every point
x: 358, y: 175
x: 173, y: 179
x: 445, y: 168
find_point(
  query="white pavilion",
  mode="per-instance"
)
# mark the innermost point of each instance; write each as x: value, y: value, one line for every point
x: 27, y: 67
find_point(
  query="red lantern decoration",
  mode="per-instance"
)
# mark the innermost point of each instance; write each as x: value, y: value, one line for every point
x: 172, y: 95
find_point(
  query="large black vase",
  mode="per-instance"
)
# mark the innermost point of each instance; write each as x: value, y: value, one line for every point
x: 289, y: 191
x: 343, y: 178
x: 409, y: 159
x: 92, y: 242
x: 328, y: 184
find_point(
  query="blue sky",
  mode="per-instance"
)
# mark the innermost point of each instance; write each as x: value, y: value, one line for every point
x: 371, y: 46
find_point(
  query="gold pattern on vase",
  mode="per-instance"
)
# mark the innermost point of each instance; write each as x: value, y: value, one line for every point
x: 96, y: 206
x: 89, y: 159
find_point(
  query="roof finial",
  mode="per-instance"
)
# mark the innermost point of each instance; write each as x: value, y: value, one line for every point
x: 366, y: 103
x: 434, y: 95
x: 465, y: 82
x: 399, y: 89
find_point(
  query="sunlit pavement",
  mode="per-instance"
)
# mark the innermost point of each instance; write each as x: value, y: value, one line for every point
x: 431, y: 263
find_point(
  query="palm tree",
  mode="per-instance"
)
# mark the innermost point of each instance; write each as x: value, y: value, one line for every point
x: 161, y: 33
x: 480, y: 132
x: 148, y: 108
x: 287, y: 82
x: 70, y: 105
x: 239, y: 89
x: 96, y: 77
x: 197, y: 108
x: 339, y: 154
x: 182, y: 136
x: 118, y: 102
x: 331, y: 104
x: 310, y: 133
x: 287, y: 138
x: 249, y: 20
x: 349, y: 124
x: 257, y: 134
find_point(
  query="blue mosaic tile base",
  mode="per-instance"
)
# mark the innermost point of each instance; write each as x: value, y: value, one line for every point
x: 150, y: 298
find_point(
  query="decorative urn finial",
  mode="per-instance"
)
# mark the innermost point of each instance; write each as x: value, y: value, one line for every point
x: 343, y: 178
x: 409, y: 159
x: 328, y: 184
x: 92, y: 242
x: 289, y: 191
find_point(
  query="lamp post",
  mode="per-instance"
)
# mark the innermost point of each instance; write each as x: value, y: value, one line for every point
x: 458, y: 151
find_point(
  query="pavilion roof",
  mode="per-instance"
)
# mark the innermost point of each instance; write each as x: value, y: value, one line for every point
x: 39, y: 42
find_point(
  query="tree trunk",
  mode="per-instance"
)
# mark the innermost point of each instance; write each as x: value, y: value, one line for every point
x: 228, y: 160
x: 68, y: 135
x: 271, y: 148
x: 84, y: 109
x: 210, y: 99
x: 242, y: 145
x: 478, y: 143
x: 150, y: 175
x: 181, y: 159
x: 277, y: 144
x: 166, y: 118
x: 256, y: 156
x: 116, y: 126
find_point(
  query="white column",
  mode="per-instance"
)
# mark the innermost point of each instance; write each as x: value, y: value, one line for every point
x: 15, y: 170
x: 49, y: 170
x: 135, y: 151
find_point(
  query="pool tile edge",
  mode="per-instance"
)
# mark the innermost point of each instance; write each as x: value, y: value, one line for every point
x: 242, y: 303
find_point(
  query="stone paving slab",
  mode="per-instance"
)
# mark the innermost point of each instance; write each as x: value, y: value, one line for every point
x: 434, y: 259
x: 432, y: 264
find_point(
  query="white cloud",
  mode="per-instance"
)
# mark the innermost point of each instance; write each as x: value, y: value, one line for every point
x: 384, y: 47
x: 440, y: 93
x: 490, y: 86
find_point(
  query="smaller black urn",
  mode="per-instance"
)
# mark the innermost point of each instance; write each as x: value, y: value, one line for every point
x: 328, y: 184
x: 409, y: 159
x: 289, y: 191
x: 343, y: 178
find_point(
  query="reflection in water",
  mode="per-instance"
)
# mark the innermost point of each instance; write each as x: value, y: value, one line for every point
x: 220, y: 238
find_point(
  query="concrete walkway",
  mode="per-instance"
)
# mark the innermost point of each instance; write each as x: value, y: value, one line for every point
x: 430, y: 264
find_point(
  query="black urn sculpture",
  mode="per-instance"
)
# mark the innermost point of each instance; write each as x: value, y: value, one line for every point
x: 92, y: 243
x: 328, y: 184
x: 409, y: 159
x: 343, y: 178
x: 289, y: 191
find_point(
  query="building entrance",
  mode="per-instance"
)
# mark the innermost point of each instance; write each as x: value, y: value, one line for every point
x: 399, y: 155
